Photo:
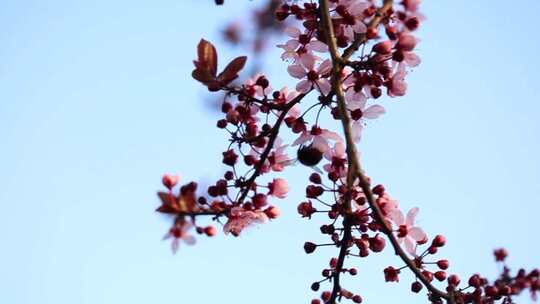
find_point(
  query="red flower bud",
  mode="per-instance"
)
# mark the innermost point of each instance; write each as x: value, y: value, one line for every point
x: 416, y: 287
x: 439, y: 241
x: 440, y: 275
x: 309, y: 247
x: 170, y: 181
x: 383, y: 48
x: 443, y: 264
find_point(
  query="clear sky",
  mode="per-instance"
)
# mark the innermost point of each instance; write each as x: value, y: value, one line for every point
x: 97, y: 102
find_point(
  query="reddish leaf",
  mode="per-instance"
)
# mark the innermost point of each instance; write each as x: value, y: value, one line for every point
x: 173, y: 205
x: 207, y: 57
x: 203, y: 76
x: 168, y: 203
x: 231, y: 70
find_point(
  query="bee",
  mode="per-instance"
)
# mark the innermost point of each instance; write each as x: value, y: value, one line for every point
x: 309, y: 156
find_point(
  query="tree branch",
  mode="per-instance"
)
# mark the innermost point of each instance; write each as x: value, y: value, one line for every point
x: 355, y: 169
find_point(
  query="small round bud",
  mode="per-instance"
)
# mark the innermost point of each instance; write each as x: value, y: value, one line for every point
x: 272, y: 212
x: 454, y: 280
x: 170, y: 181
x: 440, y: 275
x: 309, y: 247
x: 443, y: 264
x: 378, y: 190
x: 315, y: 178
x: 439, y: 241
x: 210, y: 231
x: 416, y: 287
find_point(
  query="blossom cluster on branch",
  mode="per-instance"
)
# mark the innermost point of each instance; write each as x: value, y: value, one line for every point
x: 343, y: 57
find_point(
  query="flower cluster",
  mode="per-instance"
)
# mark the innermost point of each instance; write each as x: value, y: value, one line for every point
x: 347, y: 54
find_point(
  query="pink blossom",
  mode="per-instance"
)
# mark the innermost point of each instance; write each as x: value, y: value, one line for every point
x: 277, y: 160
x: 178, y: 233
x: 255, y: 90
x: 239, y: 219
x: 313, y: 77
x: 278, y: 188
x: 354, y: 9
x: 301, y: 46
x: 398, y: 86
x: 286, y: 95
x: 407, y: 231
x: 338, y: 159
x: 360, y: 113
x: 387, y: 204
x: 319, y: 137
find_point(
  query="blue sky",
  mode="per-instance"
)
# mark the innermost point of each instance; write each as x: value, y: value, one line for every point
x: 97, y: 102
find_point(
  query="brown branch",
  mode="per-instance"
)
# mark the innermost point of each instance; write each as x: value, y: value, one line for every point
x: 351, y: 148
x: 355, y: 169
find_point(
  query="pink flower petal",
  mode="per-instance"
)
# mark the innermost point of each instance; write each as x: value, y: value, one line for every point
x: 320, y: 143
x: 411, y: 216
x: 397, y: 217
x: 323, y: 85
x: 412, y: 59
x: 304, y: 137
x: 374, y: 111
x: 189, y: 239
x: 357, y: 129
x: 410, y: 246
x: 304, y: 86
x: 417, y: 234
x: 175, y: 244
x: 308, y: 61
x: 317, y: 46
x: 292, y: 32
x: 325, y: 67
x: 296, y: 71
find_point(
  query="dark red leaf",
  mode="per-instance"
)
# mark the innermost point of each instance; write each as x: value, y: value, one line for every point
x: 203, y: 76
x: 231, y: 70
x: 207, y: 57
